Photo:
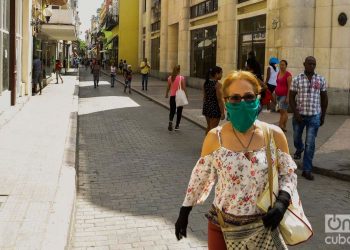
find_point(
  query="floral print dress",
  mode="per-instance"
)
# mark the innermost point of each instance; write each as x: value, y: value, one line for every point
x: 241, y: 178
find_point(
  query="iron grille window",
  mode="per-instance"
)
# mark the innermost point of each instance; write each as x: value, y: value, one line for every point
x: 155, y: 53
x: 242, y: 1
x: 155, y: 26
x: 204, y: 8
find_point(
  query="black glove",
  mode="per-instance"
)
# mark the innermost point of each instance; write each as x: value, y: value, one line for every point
x: 181, y: 223
x: 275, y: 215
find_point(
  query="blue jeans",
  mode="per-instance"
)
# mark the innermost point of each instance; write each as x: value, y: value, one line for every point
x: 144, y: 81
x: 312, y: 123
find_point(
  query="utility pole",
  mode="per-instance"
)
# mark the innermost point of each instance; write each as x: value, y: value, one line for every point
x: 12, y: 54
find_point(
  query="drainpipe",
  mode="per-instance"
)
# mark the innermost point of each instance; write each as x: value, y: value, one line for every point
x: 12, y: 52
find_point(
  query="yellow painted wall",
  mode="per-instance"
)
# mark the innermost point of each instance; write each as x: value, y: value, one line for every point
x: 129, y: 32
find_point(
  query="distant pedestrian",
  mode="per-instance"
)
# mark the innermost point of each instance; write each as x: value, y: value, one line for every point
x: 37, y: 72
x: 270, y: 82
x: 284, y: 80
x: 145, y: 69
x: 96, y: 72
x: 65, y: 66
x: 309, y: 100
x: 125, y: 68
x: 113, y: 74
x: 213, y: 101
x: 128, y: 79
x: 58, y: 69
x: 253, y: 66
x: 120, y: 66
x: 87, y: 64
x: 174, y: 82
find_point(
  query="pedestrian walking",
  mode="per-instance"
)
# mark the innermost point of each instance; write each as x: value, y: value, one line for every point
x: 174, y: 81
x: 213, y: 101
x: 113, y: 74
x: 58, y: 69
x: 145, y: 68
x: 37, y: 73
x: 65, y: 66
x: 234, y: 155
x: 284, y: 80
x: 128, y: 79
x: 271, y: 81
x: 96, y: 72
x: 121, y: 66
x: 125, y: 68
x: 308, y: 100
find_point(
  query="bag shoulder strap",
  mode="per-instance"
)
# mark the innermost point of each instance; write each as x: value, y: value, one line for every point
x: 267, y: 139
x: 180, y: 78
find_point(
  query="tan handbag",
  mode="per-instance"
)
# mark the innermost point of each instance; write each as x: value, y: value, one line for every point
x: 294, y: 227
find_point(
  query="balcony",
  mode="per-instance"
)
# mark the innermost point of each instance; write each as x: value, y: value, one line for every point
x: 62, y: 25
x: 57, y: 2
x: 111, y: 22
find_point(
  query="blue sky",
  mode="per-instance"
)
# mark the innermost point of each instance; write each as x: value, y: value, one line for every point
x: 87, y: 8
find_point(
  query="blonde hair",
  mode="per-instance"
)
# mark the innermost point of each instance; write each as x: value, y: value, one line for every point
x: 241, y: 75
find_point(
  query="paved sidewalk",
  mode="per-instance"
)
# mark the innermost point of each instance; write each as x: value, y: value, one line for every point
x: 37, y: 182
x: 332, y: 156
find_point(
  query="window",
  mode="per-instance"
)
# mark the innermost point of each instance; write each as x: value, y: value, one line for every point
x: 242, y: 1
x: 4, y: 44
x: 155, y: 26
x: 144, y: 5
x: 252, y: 38
x: 203, y: 51
x: 155, y: 53
x: 204, y: 8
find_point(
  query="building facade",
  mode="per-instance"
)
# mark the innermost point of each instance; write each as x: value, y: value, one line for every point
x: 15, y: 57
x: 114, y: 32
x: 198, y: 34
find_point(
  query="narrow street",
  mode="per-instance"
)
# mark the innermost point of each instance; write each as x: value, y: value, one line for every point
x: 133, y: 173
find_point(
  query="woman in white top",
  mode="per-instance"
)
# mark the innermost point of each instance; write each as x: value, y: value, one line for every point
x: 271, y: 80
x: 234, y: 156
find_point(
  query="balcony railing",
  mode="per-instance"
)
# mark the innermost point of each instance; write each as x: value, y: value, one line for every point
x: 204, y: 8
x: 111, y: 21
x: 62, y: 16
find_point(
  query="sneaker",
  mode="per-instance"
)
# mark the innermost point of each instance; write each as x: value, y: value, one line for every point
x: 297, y: 155
x: 170, y: 126
x: 177, y: 128
x: 308, y: 176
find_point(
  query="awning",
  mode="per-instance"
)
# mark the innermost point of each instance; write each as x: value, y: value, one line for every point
x: 59, y: 32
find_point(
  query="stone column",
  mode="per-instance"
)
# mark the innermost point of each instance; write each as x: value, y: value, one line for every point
x: 27, y: 47
x: 292, y: 37
x: 184, y: 39
x: 339, y: 65
x: 226, y: 52
x: 163, y: 67
x: 148, y: 19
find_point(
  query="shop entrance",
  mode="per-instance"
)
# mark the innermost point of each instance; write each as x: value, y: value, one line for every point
x: 252, y: 36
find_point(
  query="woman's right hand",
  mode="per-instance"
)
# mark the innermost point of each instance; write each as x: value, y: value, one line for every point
x: 181, y: 223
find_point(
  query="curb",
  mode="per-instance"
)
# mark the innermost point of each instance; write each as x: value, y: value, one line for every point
x: 61, y: 220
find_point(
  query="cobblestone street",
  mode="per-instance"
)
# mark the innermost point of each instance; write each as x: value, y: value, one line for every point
x: 133, y: 173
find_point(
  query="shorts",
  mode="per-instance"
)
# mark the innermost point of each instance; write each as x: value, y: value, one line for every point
x: 281, y: 102
x: 271, y: 87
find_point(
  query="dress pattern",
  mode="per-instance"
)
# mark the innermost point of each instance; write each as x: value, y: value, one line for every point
x: 211, y: 105
x: 241, y: 178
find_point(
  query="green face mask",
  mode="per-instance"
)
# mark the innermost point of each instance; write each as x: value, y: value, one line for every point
x: 242, y: 115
